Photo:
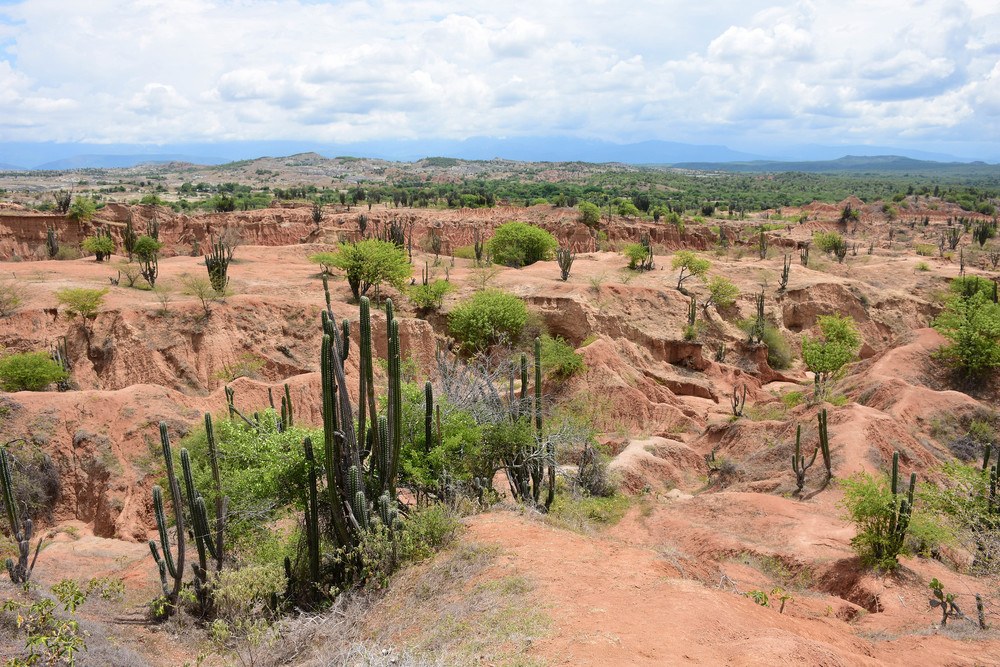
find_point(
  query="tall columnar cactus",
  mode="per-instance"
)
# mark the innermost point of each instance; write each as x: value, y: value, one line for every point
x: 52, y: 242
x: 428, y: 415
x: 762, y: 245
x: 824, y: 444
x: 799, y: 465
x: 312, y: 512
x: 787, y: 267
x: 168, y: 564
x: 902, y: 508
x: 538, y: 385
x: 692, y: 312
x: 565, y: 258
x: 221, y: 501
x: 356, y: 484
x: 217, y: 262
x: 20, y: 571
x: 129, y: 237
x: 524, y: 383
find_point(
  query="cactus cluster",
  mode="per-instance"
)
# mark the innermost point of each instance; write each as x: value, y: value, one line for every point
x: 208, y: 542
x: 20, y: 571
x: 217, y: 262
x: 900, y: 510
x: 799, y: 465
x: 565, y: 257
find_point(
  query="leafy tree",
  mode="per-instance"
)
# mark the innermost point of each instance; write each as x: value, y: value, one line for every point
x: 628, y: 210
x: 972, y: 324
x: 82, y: 209
x: 519, y: 244
x: 430, y: 296
x: 636, y: 253
x: 489, y: 317
x: 146, y: 250
x: 371, y: 262
x: 29, y: 371
x: 690, y: 264
x: 722, y: 292
x: 837, y: 346
x: 81, y: 301
x: 102, y: 246
x: 590, y: 215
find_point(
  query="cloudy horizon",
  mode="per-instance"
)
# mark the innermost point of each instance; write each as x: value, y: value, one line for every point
x: 923, y: 76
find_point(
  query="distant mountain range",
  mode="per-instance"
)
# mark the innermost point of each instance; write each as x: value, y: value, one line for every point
x: 848, y: 163
x: 53, y: 156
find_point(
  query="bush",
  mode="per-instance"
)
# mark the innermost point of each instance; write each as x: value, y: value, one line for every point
x: 837, y: 346
x: 83, y: 208
x: 779, y: 352
x: 972, y: 324
x: 12, y: 294
x: 489, y: 317
x: 430, y: 296
x: 426, y: 530
x: 873, y: 508
x: 636, y: 253
x: 590, y: 215
x: 827, y: 241
x: 722, y: 292
x: 371, y: 262
x: 29, y: 371
x: 559, y: 360
x: 519, y: 244
x: 246, y: 591
x: 81, y: 301
x: 101, y: 246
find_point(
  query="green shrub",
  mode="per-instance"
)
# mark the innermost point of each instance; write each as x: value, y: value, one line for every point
x: 837, y: 346
x: 559, y: 360
x: 102, y: 246
x: 325, y: 260
x: 29, y: 371
x: 370, y: 263
x: 246, y: 591
x: 426, y: 530
x: 67, y: 252
x: 519, y: 244
x: 636, y: 253
x: 430, y: 296
x: 81, y: 301
x: 590, y: 215
x: 924, y: 249
x: 923, y: 266
x: 972, y: 324
x: 779, y: 352
x: 83, y: 208
x: 722, y: 292
x: 827, y: 241
x: 464, y: 252
x: 489, y: 317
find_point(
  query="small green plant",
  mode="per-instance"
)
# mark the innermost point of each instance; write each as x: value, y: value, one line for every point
x: 881, y: 512
x: 760, y: 597
x: 81, y: 301
x: 101, y: 245
x: 783, y: 597
x: 946, y: 601
x: 488, y: 318
x: 518, y: 244
x: 49, y: 639
x: 29, y: 371
x: 559, y: 360
x: 924, y: 250
x: 247, y: 365
x: 429, y: 297
x: 835, y: 348
x: 922, y: 266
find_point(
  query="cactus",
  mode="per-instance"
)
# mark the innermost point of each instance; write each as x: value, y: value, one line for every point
x: 799, y: 465
x: 538, y: 385
x: 804, y: 253
x: 312, y: 513
x: 783, y: 284
x: 824, y: 444
x: 757, y: 326
x: 129, y: 237
x: 762, y: 245
x: 230, y: 395
x: 738, y: 401
x: 478, y: 245
x: 168, y: 564
x: 52, y: 242
x: 19, y: 572
x: 692, y: 311
x: 217, y: 262
x: 428, y: 415
x: 565, y: 257
x: 901, y: 510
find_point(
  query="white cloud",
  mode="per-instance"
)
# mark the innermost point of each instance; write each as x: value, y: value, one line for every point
x: 808, y: 70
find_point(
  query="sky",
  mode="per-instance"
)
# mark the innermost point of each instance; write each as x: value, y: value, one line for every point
x: 751, y: 75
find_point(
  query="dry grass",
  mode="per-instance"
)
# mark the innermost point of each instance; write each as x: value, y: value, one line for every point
x: 458, y: 609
